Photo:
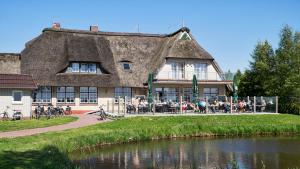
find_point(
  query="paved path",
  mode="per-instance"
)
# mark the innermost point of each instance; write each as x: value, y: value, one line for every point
x: 83, y: 120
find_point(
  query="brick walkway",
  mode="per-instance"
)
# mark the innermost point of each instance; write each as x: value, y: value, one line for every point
x: 84, y: 120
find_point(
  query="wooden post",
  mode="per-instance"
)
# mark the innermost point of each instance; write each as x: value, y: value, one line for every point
x: 180, y: 104
x: 119, y: 105
x: 230, y: 104
x: 113, y: 105
x: 254, y: 104
x: 276, y: 106
x: 206, y: 105
x: 125, y: 108
x: 153, y: 108
x: 107, y: 106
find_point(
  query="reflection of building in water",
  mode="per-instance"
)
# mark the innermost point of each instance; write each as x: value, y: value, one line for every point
x: 135, y: 160
x: 207, y: 153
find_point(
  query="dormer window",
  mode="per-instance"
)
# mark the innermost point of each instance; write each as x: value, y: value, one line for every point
x: 82, y: 67
x: 126, y: 66
x: 185, y: 36
x: 92, y: 68
x: 74, y: 67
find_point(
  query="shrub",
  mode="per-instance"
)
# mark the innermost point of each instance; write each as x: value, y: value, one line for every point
x: 289, y: 108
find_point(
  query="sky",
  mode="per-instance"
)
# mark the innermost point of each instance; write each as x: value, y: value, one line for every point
x: 227, y: 29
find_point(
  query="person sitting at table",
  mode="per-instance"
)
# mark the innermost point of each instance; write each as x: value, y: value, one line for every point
x: 214, y: 105
x: 263, y: 105
x: 249, y: 106
x: 241, y: 105
x: 192, y: 106
x: 202, y: 106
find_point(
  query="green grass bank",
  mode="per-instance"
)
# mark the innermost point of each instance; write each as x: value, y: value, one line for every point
x: 34, y: 123
x: 147, y: 128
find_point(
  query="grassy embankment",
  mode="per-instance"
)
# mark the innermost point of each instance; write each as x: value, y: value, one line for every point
x: 29, y: 124
x: 146, y: 128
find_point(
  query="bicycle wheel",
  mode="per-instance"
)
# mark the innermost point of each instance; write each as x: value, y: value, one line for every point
x: 5, y: 116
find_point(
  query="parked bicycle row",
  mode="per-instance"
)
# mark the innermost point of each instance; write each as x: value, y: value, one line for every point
x: 11, y: 114
x: 50, y: 111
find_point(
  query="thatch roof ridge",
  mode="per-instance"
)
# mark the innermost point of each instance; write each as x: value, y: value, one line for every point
x: 10, y: 54
x: 116, y: 33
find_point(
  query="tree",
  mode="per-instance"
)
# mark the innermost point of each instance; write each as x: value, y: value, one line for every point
x: 287, y: 67
x: 256, y: 80
x: 274, y: 73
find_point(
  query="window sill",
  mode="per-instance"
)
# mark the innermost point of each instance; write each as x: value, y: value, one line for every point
x: 92, y: 74
x: 88, y: 104
x: 41, y: 103
x: 17, y: 103
x: 66, y: 104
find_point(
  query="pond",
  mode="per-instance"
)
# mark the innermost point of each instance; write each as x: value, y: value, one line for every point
x: 271, y: 152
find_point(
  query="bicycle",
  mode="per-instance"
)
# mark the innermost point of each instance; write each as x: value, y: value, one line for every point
x: 68, y: 110
x: 17, y: 115
x: 4, y: 115
x: 102, y: 113
x: 39, y: 111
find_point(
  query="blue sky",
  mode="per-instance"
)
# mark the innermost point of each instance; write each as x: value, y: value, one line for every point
x: 228, y: 29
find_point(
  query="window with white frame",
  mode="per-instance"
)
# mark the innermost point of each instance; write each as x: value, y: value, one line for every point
x: 65, y: 94
x: 42, y: 94
x: 123, y: 92
x: 88, y: 95
x: 17, y: 96
x: 77, y: 67
x: 211, y: 92
x: 200, y: 70
x: 177, y: 70
x: 171, y: 94
x: 92, y: 68
x: 187, y: 94
x: 126, y: 66
x: 84, y: 68
x: 185, y: 36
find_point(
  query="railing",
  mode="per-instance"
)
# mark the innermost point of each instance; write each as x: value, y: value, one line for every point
x: 203, y: 104
x: 188, y: 75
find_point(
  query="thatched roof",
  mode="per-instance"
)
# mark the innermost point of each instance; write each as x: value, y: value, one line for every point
x: 45, y: 56
x: 10, y: 63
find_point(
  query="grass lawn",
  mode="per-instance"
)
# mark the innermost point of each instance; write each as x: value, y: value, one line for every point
x: 147, y: 128
x: 29, y: 124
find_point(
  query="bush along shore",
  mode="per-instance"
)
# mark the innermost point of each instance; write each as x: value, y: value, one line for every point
x: 149, y: 128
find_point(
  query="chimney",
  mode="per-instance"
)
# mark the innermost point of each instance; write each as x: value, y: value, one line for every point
x: 94, y: 28
x: 56, y: 25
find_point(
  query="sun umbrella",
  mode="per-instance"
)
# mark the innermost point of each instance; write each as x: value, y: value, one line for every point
x: 235, y: 95
x: 150, y: 95
x: 195, y: 89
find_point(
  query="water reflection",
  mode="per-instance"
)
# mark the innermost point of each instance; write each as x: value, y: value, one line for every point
x: 279, y: 152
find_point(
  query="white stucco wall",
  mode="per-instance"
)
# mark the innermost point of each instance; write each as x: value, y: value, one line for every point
x: 166, y: 70
x: 24, y: 106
